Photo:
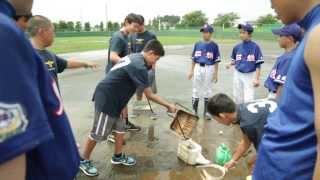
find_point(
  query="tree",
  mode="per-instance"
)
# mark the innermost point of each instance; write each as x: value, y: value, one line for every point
x: 87, y: 26
x: 63, y: 26
x: 101, y: 27
x: 116, y: 26
x: 226, y: 20
x: 267, y: 19
x: 70, y: 26
x: 78, y: 26
x: 195, y: 18
x: 56, y: 26
x: 171, y: 20
x: 110, y: 26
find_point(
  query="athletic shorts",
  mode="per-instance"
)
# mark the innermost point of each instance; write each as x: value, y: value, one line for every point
x: 104, y: 125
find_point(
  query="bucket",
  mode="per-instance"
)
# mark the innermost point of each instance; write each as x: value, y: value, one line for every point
x: 212, y: 172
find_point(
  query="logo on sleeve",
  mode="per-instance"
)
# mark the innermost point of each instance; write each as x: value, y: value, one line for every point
x: 12, y: 121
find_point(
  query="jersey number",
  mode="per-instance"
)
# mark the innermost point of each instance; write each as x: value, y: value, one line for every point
x: 123, y: 62
x: 253, y: 108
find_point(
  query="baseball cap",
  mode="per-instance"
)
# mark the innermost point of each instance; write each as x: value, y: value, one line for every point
x: 207, y: 28
x: 246, y: 27
x: 293, y: 30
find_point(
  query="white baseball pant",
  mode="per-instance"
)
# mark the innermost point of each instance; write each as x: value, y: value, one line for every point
x: 202, y: 81
x: 243, y: 89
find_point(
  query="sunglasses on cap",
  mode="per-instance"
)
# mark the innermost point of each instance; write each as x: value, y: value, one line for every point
x: 28, y: 17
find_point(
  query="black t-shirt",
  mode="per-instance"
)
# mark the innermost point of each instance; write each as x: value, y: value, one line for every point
x: 139, y: 40
x: 253, y: 116
x: 114, y: 92
x: 120, y: 44
x: 54, y: 63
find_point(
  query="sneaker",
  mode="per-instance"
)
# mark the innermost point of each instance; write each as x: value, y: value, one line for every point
x: 88, y: 168
x: 208, y: 117
x: 132, y: 127
x: 124, y: 160
x: 111, y: 138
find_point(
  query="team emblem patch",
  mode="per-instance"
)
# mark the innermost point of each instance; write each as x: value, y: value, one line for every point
x: 12, y: 121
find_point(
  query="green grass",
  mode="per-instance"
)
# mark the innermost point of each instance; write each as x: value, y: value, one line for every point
x: 79, y: 44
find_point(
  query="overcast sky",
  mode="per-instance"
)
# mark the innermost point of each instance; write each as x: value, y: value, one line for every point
x: 95, y: 10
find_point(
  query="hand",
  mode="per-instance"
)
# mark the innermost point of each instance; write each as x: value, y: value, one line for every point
x: 230, y: 164
x: 256, y: 83
x: 190, y: 76
x: 91, y: 65
x: 215, y: 78
x: 172, y: 108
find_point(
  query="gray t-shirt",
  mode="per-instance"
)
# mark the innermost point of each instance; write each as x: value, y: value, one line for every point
x: 139, y: 40
x: 114, y: 92
x: 252, y: 118
x: 120, y: 44
x: 54, y: 63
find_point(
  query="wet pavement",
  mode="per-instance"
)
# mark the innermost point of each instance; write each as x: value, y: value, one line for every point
x: 155, y: 147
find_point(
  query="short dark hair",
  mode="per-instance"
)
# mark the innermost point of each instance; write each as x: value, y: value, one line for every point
x: 155, y: 46
x: 132, y: 18
x: 221, y: 103
x: 141, y: 19
x: 37, y: 22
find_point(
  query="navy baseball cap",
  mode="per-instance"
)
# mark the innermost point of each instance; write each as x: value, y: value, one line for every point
x: 293, y: 30
x: 246, y: 27
x: 207, y: 28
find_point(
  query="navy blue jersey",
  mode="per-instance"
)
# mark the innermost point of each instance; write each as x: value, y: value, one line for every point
x: 32, y: 118
x: 247, y: 56
x: 278, y: 74
x: 113, y: 93
x: 253, y: 116
x: 54, y: 63
x: 206, y: 53
x: 120, y: 44
x: 288, y: 149
x: 139, y: 40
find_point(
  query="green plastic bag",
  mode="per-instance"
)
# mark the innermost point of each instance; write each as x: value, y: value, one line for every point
x: 223, y: 155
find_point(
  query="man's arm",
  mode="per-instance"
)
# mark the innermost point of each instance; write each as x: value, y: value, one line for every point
x: 312, y: 59
x: 256, y: 81
x: 190, y: 76
x: 114, y: 57
x: 157, y: 99
x: 279, y: 91
x: 215, y: 74
x: 14, y: 169
x: 73, y: 64
x: 240, y: 151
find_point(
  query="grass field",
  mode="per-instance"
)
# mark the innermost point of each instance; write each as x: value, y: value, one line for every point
x: 86, y: 41
x: 79, y: 44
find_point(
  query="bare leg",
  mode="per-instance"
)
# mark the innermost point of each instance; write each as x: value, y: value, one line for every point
x: 88, y: 148
x: 119, y: 143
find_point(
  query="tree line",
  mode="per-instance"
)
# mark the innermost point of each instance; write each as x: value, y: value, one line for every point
x: 189, y: 20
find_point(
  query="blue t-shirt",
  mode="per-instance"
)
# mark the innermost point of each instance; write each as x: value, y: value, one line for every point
x: 278, y: 74
x: 288, y: 149
x: 206, y: 53
x: 113, y: 93
x: 247, y: 56
x: 32, y: 118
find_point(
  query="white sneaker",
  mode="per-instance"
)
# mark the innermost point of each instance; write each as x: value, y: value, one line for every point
x: 111, y: 138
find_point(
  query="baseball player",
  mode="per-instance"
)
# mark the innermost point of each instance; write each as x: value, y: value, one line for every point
x: 251, y: 117
x: 120, y: 47
x: 36, y: 140
x: 138, y: 42
x: 290, y: 146
x: 289, y: 36
x: 42, y: 35
x: 204, y: 68
x: 112, y: 95
x: 247, y: 59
